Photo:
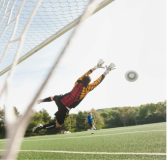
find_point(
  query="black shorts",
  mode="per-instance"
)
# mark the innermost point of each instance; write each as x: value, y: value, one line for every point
x: 90, y: 124
x: 62, y: 112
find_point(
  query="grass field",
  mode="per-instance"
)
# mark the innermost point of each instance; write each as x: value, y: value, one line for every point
x: 136, y: 142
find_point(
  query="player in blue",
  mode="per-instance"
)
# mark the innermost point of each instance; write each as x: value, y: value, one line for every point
x: 90, y: 121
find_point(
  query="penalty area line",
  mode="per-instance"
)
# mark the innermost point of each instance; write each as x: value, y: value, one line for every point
x: 73, y: 152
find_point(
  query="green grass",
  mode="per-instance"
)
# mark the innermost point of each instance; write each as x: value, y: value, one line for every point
x: 150, y: 138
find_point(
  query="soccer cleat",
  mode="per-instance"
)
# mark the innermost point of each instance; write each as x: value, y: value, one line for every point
x: 33, y: 130
x: 92, y: 133
x: 38, y: 126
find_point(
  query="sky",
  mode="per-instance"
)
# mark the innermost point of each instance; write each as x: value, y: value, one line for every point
x: 129, y: 33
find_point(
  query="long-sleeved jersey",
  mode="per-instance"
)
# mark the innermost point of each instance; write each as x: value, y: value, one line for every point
x: 79, y: 91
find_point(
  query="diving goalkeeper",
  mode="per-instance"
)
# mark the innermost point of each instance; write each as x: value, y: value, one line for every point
x: 70, y: 100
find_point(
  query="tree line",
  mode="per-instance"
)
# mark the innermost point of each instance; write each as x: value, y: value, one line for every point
x: 103, y: 118
x: 127, y: 116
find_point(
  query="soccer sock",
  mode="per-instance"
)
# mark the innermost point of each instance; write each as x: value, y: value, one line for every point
x: 94, y: 127
x: 50, y: 125
x: 92, y: 130
x: 47, y: 99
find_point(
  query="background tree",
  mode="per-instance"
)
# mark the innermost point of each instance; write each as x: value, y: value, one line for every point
x: 133, y: 112
x: 113, y: 114
x: 104, y: 115
x: 98, y: 119
x: 2, y: 120
x: 73, y: 120
x: 151, y: 108
x: 143, y: 111
x: 123, y: 114
x: 45, y: 116
x: 80, y: 120
x: 161, y: 110
x: 67, y: 125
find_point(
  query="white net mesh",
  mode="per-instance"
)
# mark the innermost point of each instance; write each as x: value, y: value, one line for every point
x: 52, y: 17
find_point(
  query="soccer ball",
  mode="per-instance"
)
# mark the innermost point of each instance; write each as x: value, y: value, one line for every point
x: 131, y: 76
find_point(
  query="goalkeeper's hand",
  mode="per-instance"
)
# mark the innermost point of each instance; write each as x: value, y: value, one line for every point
x: 110, y: 67
x: 99, y: 64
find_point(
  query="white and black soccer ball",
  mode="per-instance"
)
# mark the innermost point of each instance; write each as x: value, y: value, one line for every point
x: 131, y: 76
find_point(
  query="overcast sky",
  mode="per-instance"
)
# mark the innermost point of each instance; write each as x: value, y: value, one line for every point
x: 129, y: 33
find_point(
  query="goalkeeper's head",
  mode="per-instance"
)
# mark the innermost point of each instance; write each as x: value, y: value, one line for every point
x: 86, y: 80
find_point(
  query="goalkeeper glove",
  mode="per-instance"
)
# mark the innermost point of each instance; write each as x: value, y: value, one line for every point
x: 109, y: 68
x: 99, y: 64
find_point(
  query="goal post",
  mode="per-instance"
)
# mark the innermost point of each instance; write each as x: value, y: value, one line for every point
x: 53, y: 37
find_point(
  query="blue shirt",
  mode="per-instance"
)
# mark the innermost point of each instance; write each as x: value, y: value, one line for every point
x: 90, y: 118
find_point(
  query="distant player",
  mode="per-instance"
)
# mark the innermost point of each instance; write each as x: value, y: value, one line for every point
x: 70, y: 100
x: 90, y: 121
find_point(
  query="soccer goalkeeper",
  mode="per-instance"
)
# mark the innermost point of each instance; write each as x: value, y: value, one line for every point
x: 70, y: 100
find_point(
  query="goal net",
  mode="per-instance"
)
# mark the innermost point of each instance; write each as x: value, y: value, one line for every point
x: 25, y: 27
x: 52, y: 19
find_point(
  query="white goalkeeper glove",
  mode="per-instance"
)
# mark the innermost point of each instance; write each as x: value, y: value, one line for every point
x: 39, y: 101
x: 99, y: 64
x: 110, y: 67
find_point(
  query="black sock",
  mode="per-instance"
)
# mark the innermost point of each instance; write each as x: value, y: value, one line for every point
x: 50, y: 125
x: 47, y: 99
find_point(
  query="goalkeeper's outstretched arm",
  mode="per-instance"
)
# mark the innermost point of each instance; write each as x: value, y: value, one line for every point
x: 99, y: 65
x: 100, y: 79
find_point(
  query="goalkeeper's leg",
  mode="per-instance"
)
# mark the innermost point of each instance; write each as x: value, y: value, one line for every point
x: 51, y: 125
x: 49, y: 99
x: 61, y: 116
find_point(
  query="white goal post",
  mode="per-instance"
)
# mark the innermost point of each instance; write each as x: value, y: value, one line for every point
x: 25, y: 53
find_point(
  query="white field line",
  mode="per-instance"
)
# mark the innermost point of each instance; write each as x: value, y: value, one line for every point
x: 96, y: 135
x: 73, y: 152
